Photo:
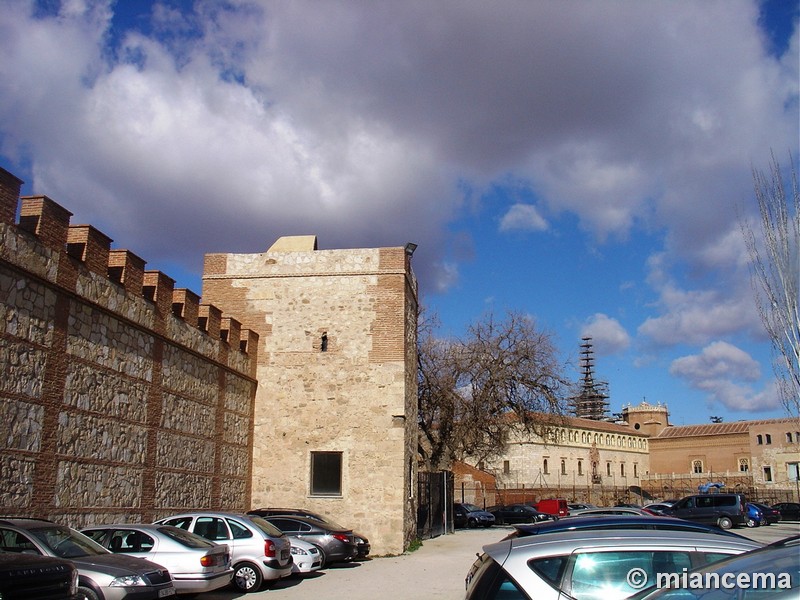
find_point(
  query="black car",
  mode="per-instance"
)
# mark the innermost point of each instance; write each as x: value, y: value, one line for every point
x: 518, y: 513
x: 790, y: 511
x: 336, y: 544
x: 33, y: 577
x: 769, y: 514
x: 362, y: 542
x: 618, y: 523
x: 469, y: 515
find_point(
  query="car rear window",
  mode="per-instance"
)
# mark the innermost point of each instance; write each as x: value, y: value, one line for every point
x: 185, y: 538
x: 267, y: 527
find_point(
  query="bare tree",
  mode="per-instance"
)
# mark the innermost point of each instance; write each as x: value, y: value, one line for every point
x: 775, y: 269
x: 473, y: 391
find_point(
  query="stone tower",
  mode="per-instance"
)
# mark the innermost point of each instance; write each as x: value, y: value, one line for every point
x: 336, y: 405
x: 646, y: 418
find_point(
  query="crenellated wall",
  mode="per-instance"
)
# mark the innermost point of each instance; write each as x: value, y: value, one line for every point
x: 123, y: 397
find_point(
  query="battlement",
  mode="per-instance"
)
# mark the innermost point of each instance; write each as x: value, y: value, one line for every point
x: 82, y: 252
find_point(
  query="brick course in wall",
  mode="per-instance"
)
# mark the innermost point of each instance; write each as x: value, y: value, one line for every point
x: 125, y: 399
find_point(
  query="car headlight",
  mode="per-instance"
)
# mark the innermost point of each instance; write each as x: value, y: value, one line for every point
x: 296, y: 550
x: 128, y: 581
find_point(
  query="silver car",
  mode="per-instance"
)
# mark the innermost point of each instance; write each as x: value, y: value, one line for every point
x: 196, y: 565
x: 591, y: 565
x: 101, y: 574
x: 769, y: 573
x: 259, y: 551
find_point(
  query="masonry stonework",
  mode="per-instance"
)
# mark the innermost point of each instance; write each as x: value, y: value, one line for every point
x: 119, y: 404
x: 336, y: 372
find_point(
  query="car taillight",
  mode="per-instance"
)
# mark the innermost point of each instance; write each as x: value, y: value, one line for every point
x: 341, y: 537
x: 207, y: 561
x: 269, y: 549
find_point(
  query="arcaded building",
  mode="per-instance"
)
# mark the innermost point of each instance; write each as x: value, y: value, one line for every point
x: 336, y: 407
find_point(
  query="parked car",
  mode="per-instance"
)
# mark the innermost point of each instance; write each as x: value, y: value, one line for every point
x: 518, y: 513
x: 101, y: 574
x: 259, y: 551
x: 577, y: 507
x: 778, y: 562
x: 469, y: 515
x: 552, y: 506
x: 590, y: 564
x: 196, y: 564
x: 618, y: 523
x: 335, y: 544
x: 362, y: 542
x: 724, y: 510
x: 32, y: 577
x: 306, y: 557
x: 771, y: 515
x: 614, y: 510
x: 657, y: 508
x: 754, y: 516
x: 790, y: 511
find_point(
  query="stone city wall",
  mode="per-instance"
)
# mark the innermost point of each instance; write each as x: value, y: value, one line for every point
x: 123, y: 398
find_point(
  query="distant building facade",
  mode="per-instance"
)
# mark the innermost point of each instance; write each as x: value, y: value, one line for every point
x: 761, y: 453
x: 336, y: 407
x: 574, y: 455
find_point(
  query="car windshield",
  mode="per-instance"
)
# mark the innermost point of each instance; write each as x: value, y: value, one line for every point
x: 190, y: 540
x: 471, y: 507
x: 65, y: 543
x: 266, y: 527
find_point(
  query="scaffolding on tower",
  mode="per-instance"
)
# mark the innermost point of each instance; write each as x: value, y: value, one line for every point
x: 592, y: 401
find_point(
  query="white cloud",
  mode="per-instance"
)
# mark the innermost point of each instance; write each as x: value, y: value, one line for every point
x: 355, y: 121
x: 523, y: 216
x: 725, y: 373
x: 608, y: 335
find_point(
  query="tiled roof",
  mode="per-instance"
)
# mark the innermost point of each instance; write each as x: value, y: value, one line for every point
x: 719, y: 428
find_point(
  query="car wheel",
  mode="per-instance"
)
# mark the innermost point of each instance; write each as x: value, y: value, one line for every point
x: 86, y: 593
x: 247, y: 577
x: 472, y: 523
x: 751, y: 522
x: 724, y: 523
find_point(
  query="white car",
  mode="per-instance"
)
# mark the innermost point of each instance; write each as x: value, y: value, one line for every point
x: 259, y: 551
x: 306, y: 556
x: 196, y: 565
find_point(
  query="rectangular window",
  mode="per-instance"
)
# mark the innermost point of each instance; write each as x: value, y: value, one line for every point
x: 326, y: 473
x: 506, y: 467
x: 767, y: 473
x: 793, y: 471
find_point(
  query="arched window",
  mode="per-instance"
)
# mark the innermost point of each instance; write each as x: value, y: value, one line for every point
x: 544, y: 466
x: 697, y: 466
x: 563, y: 467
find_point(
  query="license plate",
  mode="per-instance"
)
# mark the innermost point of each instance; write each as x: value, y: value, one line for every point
x: 170, y: 591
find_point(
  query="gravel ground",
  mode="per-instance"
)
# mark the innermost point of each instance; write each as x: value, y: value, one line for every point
x: 436, y: 571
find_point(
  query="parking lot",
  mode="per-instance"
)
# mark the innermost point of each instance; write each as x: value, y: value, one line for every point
x: 434, y: 572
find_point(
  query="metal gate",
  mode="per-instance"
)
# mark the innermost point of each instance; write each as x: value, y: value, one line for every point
x: 435, y: 508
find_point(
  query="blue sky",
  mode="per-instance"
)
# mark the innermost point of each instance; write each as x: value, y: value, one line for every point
x: 585, y: 163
